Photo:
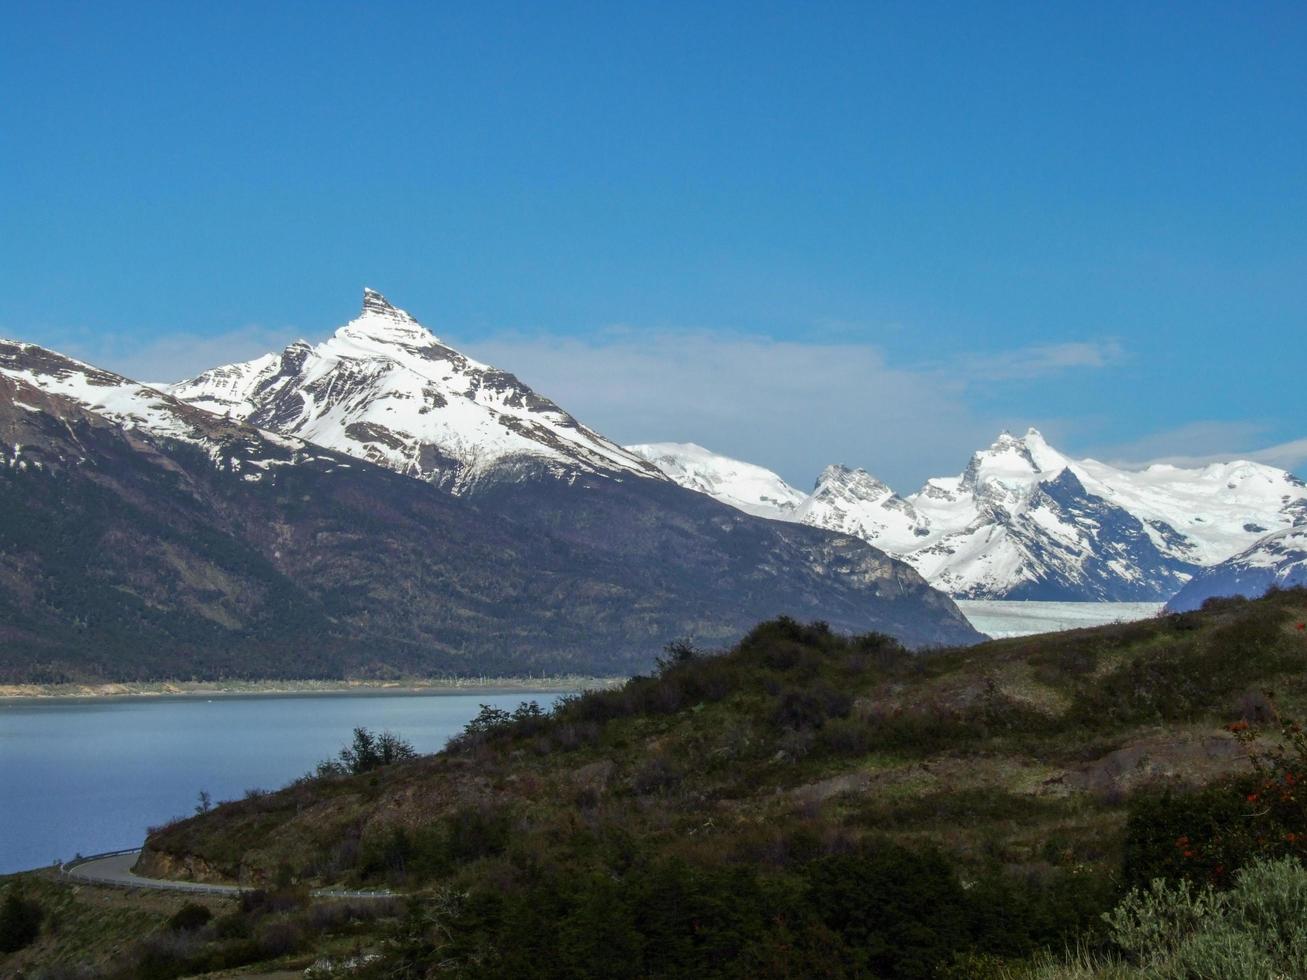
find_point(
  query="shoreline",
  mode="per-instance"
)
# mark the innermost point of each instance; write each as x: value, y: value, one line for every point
x: 17, y: 694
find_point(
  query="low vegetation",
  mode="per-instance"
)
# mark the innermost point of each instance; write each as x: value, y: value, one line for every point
x: 811, y: 804
x: 90, y: 933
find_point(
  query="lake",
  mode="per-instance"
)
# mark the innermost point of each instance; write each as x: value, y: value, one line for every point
x: 92, y: 775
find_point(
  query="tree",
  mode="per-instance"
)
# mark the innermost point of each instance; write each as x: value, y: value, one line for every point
x: 488, y: 721
x: 20, y: 921
x: 368, y: 751
x: 204, y: 802
x: 391, y: 748
x: 676, y: 653
x: 190, y: 917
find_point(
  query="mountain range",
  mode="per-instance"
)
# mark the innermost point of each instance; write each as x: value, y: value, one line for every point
x: 1024, y: 521
x: 378, y: 505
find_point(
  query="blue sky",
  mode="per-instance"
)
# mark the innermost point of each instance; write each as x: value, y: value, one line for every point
x: 800, y: 233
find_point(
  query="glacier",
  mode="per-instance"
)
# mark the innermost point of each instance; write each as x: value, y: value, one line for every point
x: 1004, y: 618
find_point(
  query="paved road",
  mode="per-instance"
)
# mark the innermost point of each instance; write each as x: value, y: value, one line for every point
x: 116, y: 869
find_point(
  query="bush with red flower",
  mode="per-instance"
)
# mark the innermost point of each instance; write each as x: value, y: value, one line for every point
x: 1208, y: 834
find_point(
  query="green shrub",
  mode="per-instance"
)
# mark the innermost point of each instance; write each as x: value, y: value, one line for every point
x: 414, y: 854
x: 189, y: 917
x: 279, y: 937
x: 1257, y: 929
x: 780, y: 657
x: 233, y: 925
x: 845, y: 737
x: 809, y: 708
x: 1195, y: 673
x: 1158, y: 920
x: 873, y: 909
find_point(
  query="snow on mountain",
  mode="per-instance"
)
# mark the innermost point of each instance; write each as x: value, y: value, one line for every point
x: 1021, y: 521
x: 1217, y: 510
x: 855, y: 502
x: 1025, y: 521
x: 128, y: 403
x: 384, y: 388
x: 1279, y: 559
x: 45, y: 381
x: 746, y: 487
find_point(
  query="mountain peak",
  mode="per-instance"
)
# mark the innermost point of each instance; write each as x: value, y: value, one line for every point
x: 839, y: 478
x: 1031, y: 437
x: 374, y: 302
x: 1013, y: 462
x: 381, y: 321
x: 752, y: 489
x: 375, y: 305
x: 385, y: 389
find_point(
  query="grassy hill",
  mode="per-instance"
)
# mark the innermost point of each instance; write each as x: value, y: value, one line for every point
x: 808, y: 804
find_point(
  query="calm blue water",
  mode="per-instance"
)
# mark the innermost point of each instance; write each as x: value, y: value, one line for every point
x: 92, y: 776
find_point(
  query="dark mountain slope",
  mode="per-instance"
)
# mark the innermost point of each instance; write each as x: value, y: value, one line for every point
x: 691, y: 542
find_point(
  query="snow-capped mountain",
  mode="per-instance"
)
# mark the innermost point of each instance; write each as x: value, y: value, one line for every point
x: 385, y: 389
x: 749, y: 488
x: 1279, y: 559
x: 1025, y: 521
x: 145, y: 537
x: 128, y: 403
x: 39, y: 375
x: 855, y: 502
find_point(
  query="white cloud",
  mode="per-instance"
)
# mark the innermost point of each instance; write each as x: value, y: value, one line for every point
x: 1041, y: 360
x: 179, y: 355
x: 793, y: 407
x: 1200, y: 443
x: 1286, y: 455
